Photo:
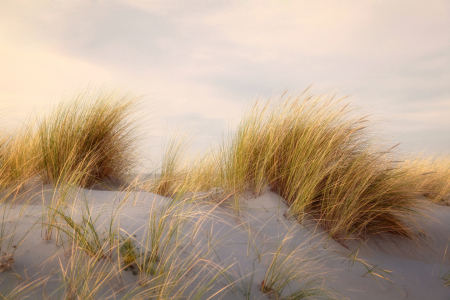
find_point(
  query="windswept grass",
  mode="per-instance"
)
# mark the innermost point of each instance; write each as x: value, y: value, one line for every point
x: 432, y: 176
x: 18, y: 158
x: 323, y: 161
x: 290, y: 274
x: 311, y: 150
x: 91, y: 132
x: 172, y: 174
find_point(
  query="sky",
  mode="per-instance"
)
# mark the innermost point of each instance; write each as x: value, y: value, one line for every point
x: 199, y: 64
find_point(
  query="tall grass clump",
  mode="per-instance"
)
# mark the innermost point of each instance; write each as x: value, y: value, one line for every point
x: 94, y: 132
x: 172, y: 174
x: 323, y: 161
x: 432, y: 175
x: 17, y: 158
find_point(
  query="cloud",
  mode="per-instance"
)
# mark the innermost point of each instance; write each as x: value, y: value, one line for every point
x: 202, y: 61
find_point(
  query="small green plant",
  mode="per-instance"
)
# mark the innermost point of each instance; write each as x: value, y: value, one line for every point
x: 83, y: 234
x: 128, y: 250
x: 171, y: 264
x: 162, y: 226
x: 245, y: 283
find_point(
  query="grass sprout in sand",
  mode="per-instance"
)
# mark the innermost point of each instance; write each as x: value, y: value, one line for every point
x: 321, y: 159
x: 290, y: 274
x: 165, y: 256
x: 83, y: 234
x: 92, y: 132
x: 85, y: 277
x: 446, y: 278
x: 8, y: 230
x: 374, y: 271
x: 9, y: 221
x: 65, y: 190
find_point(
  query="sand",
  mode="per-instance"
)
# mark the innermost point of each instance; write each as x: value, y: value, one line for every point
x: 242, y: 243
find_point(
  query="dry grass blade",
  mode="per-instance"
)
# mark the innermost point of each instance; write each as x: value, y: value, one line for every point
x: 290, y: 272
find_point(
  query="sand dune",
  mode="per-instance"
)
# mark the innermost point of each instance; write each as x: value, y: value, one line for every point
x: 211, y: 237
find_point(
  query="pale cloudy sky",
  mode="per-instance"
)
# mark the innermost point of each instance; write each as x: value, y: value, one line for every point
x: 200, y: 63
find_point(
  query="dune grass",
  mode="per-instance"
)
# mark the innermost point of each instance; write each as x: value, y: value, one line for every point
x: 164, y: 257
x: 445, y: 277
x: 432, y: 176
x: 92, y: 132
x: 319, y: 157
x: 311, y: 150
x: 24, y: 290
x: 172, y: 173
x: 18, y: 157
x: 86, y: 277
x: 171, y: 264
x: 292, y: 272
x: 83, y: 234
x: 323, y: 161
x: 372, y: 269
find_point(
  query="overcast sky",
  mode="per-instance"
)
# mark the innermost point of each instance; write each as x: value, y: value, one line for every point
x: 199, y: 64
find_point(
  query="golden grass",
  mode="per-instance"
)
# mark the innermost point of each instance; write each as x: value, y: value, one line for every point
x: 432, y: 176
x: 309, y: 149
x: 17, y: 157
x: 321, y: 159
x: 290, y: 264
x: 92, y: 132
x: 172, y: 174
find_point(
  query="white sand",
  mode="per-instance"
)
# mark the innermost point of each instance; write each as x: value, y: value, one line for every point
x: 414, y: 268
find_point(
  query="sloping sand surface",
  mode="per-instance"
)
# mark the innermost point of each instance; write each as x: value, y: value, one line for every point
x: 244, y: 244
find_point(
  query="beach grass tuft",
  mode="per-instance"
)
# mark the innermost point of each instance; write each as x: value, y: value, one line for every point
x: 432, y: 176
x: 92, y: 132
x: 323, y: 161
